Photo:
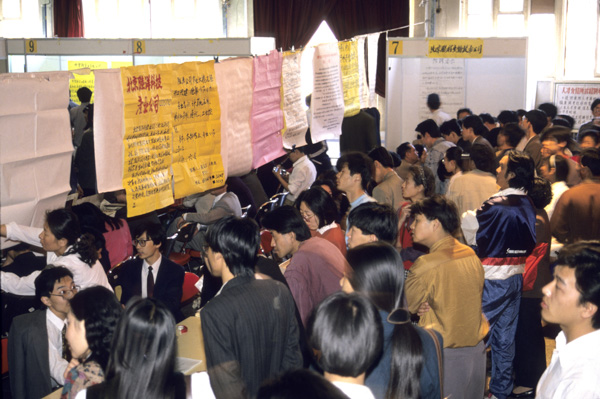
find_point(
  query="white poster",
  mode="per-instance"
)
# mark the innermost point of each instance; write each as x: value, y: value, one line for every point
x: 108, y: 129
x: 576, y: 99
x: 327, y: 103
x: 446, y: 77
x: 372, y: 41
x: 35, y: 146
x: 363, y: 87
x: 293, y: 104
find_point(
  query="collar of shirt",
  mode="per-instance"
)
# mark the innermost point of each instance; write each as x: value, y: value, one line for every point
x: 571, y: 354
x: 55, y: 320
x: 509, y: 191
x: 363, y: 198
x: 155, y: 267
x: 301, y: 159
x: 327, y: 227
x: 218, y: 198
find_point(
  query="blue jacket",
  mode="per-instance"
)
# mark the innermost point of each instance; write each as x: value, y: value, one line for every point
x: 506, y: 233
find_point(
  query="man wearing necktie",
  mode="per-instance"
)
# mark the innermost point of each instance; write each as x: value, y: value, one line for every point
x: 150, y: 274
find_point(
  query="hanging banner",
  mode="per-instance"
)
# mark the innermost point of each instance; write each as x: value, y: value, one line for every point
x: 363, y: 86
x: 234, y: 80
x: 267, y: 117
x: 197, y: 164
x: 147, y: 139
x: 35, y: 163
x: 349, y: 68
x: 372, y: 40
x: 294, y: 115
x: 80, y: 81
x: 109, y: 128
x: 327, y: 103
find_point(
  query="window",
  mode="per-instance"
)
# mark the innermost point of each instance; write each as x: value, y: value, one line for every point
x: 485, y: 18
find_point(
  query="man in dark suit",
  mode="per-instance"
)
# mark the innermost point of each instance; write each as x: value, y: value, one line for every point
x: 250, y: 329
x: 35, y: 344
x: 151, y: 274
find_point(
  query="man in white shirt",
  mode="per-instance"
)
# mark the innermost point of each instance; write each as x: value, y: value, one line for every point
x: 572, y: 300
x: 35, y: 344
x: 303, y: 174
x: 434, y: 104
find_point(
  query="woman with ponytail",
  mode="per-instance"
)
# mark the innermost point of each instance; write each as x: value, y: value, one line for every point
x: 408, y: 368
x: 64, y: 244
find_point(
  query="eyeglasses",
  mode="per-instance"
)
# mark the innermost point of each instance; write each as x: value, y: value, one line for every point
x: 141, y: 243
x: 68, y: 293
x: 307, y: 215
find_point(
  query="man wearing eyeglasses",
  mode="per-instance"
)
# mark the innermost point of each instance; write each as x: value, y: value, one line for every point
x: 37, y: 351
x: 151, y: 274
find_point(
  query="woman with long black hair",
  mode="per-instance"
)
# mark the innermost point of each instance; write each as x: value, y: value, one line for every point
x: 408, y: 367
x: 64, y: 244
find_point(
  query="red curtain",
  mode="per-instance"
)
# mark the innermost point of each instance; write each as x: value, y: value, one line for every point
x: 68, y: 18
x: 293, y: 22
x: 290, y: 22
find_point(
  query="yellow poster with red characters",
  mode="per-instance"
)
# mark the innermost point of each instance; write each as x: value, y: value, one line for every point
x: 349, y: 67
x: 197, y: 163
x: 148, y: 136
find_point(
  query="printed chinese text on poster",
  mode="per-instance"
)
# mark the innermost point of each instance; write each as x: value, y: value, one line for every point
x: 349, y: 68
x: 147, y: 139
x: 197, y: 163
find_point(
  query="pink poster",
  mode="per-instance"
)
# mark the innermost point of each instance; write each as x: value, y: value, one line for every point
x: 267, y: 116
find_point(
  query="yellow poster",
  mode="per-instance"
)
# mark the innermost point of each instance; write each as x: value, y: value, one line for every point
x: 80, y: 81
x: 197, y: 163
x: 349, y: 67
x: 455, y: 48
x: 147, y: 139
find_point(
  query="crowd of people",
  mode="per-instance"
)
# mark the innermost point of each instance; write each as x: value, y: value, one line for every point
x: 390, y: 277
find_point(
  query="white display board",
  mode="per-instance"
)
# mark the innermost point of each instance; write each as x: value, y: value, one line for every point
x: 492, y: 83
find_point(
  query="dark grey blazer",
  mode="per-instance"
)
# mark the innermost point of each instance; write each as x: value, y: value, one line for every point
x: 250, y: 334
x: 28, y: 362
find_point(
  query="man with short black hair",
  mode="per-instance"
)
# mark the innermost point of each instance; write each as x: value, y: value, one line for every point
x: 316, y: 267
x: 436, y: 150
x: 78, y: 119
x: 572, y: 301
x: 434, y: 104
x: 372, y: 222
x: 550, y: 110
x: 389, y: 184
x: 303, y: 174
x: 246, y: 316
x: 355, y: 170
x: 474, y: 131
x: 470, y: 189
x: 37, y: 350
x: 444, y: 287
x: 533, y: 123
x: 409, y: 156
x: 463, y: 113
x: 152, y: 275
x: 452, y: 132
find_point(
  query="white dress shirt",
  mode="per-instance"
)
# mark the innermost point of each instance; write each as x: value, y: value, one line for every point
x: 574, y: 371
x: 354, y: 391
x: 558, y: 189
x: 303, y: 175
x: 145, y: 266
x: 58, y: 365
x: 83, y: 275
